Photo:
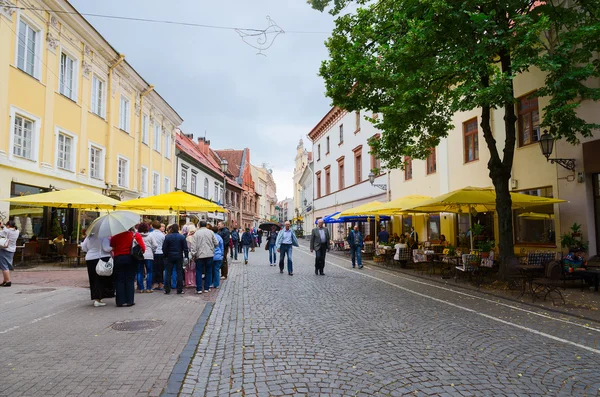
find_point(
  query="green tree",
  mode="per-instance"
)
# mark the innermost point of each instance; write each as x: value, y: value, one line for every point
x: 417, y: 62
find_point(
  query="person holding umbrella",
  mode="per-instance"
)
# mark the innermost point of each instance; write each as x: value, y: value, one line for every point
x: 96, y: 249
x: 125, y: 265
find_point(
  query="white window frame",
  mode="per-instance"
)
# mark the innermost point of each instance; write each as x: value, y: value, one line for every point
x: 144, y: 180
x: 206, y: 188
x: 193, y: 186
x: 101, y: 162
x: 61, y: 89
x: 167, y: 144
x: 145, y: 128
x: 41, y: 37
x: 157, y: 137
x: 167, y: 185
x: 124, y: 114
x: 35, y: 139
x: 74, y: 149
x: 126, y: 184
x: 183, y: 179
x: 155, y: 188
x: 94, y: 103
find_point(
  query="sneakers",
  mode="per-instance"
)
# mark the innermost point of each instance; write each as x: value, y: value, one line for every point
x: 360, y: 267
x: 245, y: 262
x: 99, y: 304
x: 281, y: 271
x: 6, y: 284
x: 198, y: 292
x: 180, y: 292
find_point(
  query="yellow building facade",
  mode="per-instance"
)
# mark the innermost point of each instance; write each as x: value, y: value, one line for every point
x: 73, y: 112
x: 461, y: 159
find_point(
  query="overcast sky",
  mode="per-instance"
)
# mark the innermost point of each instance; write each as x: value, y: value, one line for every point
x: 216, y: 82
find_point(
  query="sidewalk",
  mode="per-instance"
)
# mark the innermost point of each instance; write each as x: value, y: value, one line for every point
x: 583, y: 305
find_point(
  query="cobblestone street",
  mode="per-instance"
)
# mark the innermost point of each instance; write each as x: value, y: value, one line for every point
x: 372, y: 332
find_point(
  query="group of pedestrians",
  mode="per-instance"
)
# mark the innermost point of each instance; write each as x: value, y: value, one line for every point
x: 192, y: 257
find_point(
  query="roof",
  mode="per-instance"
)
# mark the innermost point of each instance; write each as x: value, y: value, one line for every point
x: 334, y: 114
x: 189, y: 147
x: 234, y: 160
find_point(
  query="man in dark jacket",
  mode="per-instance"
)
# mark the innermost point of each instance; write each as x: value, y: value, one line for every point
x: 355, y: 239
x: 247, y: 240
x: 175, y: 248
x: 235, y: 239
x: 226, y: 236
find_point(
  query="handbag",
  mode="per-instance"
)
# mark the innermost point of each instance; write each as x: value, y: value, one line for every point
x: 136, y: 250
x: 3, y: 242
x: 267, y: 246
x: 105, y: 269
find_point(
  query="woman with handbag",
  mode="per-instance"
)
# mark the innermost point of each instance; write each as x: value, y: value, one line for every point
x: 8, y: 245
x: 190, y: 270
x: 96, y: 250
x: 126, y: 246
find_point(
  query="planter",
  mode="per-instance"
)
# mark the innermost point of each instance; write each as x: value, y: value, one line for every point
x: 379, y: 259
x: 485, y: 255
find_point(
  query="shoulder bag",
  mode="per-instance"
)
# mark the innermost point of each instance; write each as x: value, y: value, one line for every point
x: 136, y: 250
x: 105, y: 269
x: 3, y: 242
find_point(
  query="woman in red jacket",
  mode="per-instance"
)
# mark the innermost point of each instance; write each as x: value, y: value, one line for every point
x: 125, y: 266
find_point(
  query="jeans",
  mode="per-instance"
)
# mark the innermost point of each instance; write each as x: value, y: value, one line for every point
x: 234, y: 250
x: 146, y: 265
x: 216, y: 273
x: 246, y: 248
x: 320, y: 258
x: 355, y: 252
x: 177, y: 264
x: 286, y: 249
x: 124, y: 272
x: 272, y: 254
x: 204, y: 265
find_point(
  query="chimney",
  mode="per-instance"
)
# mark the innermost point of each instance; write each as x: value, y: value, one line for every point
x: 204, y: 145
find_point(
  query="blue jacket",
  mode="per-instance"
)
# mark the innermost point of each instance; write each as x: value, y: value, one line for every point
x: 280, y: 239
x: 218, y: 249
x: 235, y: 236
x: 247, y: 238
x: 351, y: 239
x: 175, y: 246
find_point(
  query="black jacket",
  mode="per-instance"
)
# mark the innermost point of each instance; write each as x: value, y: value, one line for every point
x: 225, y: 235
x: 247, y: 238
x: 175, y: 246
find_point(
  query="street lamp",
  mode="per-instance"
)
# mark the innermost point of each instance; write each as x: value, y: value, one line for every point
x: 372, y: 180
x: 546, y: 146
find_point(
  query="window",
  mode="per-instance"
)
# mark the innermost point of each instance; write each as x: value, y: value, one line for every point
x: 193, y: 184
x: 124, y: 114
x: 144, y: 181
x: 431, y: 162
x: 433, y: 227
x: 68, y: 76
x: 407, y: 168
x: 535, y: 227
x: 184, y: 175
x: 23, y: 137
x: 327, y: 152
x: 28, y: 49
x: 145, y: 129
x: 216, y: 195
x: 318, y: 174
x: 206, y: 188
x: 168, y: 146
x: 98, y: 96
x: 341, y: 133
x: 157, y: 137
x: 327, y: 180
x: 358, y: 164
x: 155, y: 183
x: 64, y: 152
x: 357, y: 114
x: 318, y: 152
x: 96, y: 162
x: 167, y: 185
x: 528, y: 120
x: 471, y: 140
x: 341, y: 181
x: 123, y: 172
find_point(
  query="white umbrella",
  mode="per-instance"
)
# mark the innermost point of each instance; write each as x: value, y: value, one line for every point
x: 113, y: 223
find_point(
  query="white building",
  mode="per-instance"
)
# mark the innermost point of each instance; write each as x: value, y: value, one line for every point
x: 307, y: 198
x: 342, y: 164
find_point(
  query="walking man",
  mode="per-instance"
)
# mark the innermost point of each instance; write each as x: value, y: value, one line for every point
x: 271, y: 241
x: 319, y: 242
x: 235, y: 240
x: 286, y: 239
x: 226, y: 236
x: 355, y: 239
x: 206, y: 242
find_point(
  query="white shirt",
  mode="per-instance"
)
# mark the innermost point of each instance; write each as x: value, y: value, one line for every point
x: 96, y: 248
x: 159, y: 239
x: 12, y: 235
x: 322, y: 234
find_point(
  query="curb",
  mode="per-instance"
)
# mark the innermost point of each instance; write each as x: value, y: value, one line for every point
x: 185, y: 358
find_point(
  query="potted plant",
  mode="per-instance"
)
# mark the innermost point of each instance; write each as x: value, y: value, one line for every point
x: 486, y: 246
x: 451, y: 250
x: 477, y: 232
x: 576, y: 230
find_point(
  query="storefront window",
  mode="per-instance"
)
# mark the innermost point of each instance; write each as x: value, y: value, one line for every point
x: 535, y: 225
x: 29, y: 219
x: 433, y: 227
x: 406, y: 224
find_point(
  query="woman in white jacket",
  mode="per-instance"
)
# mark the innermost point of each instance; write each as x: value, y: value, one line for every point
x: 96, y: 249
x: 11, y: 233
x: 146, y: 265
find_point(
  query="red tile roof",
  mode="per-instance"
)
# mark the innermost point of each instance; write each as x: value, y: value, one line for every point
x: 234, y: 160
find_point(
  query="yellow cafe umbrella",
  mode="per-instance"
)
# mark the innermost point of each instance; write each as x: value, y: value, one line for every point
x: 478, y: 199
x: 396, y: 207
x: 536, y: 216
x: 358, y: 211
x: 172, y: 202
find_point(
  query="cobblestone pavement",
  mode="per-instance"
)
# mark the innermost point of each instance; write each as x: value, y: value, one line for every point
x: 53, y: 342
x: 375, y: 333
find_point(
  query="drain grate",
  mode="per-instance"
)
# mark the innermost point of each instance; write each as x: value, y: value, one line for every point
x: 137, y: 325
x: 37, y: 291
